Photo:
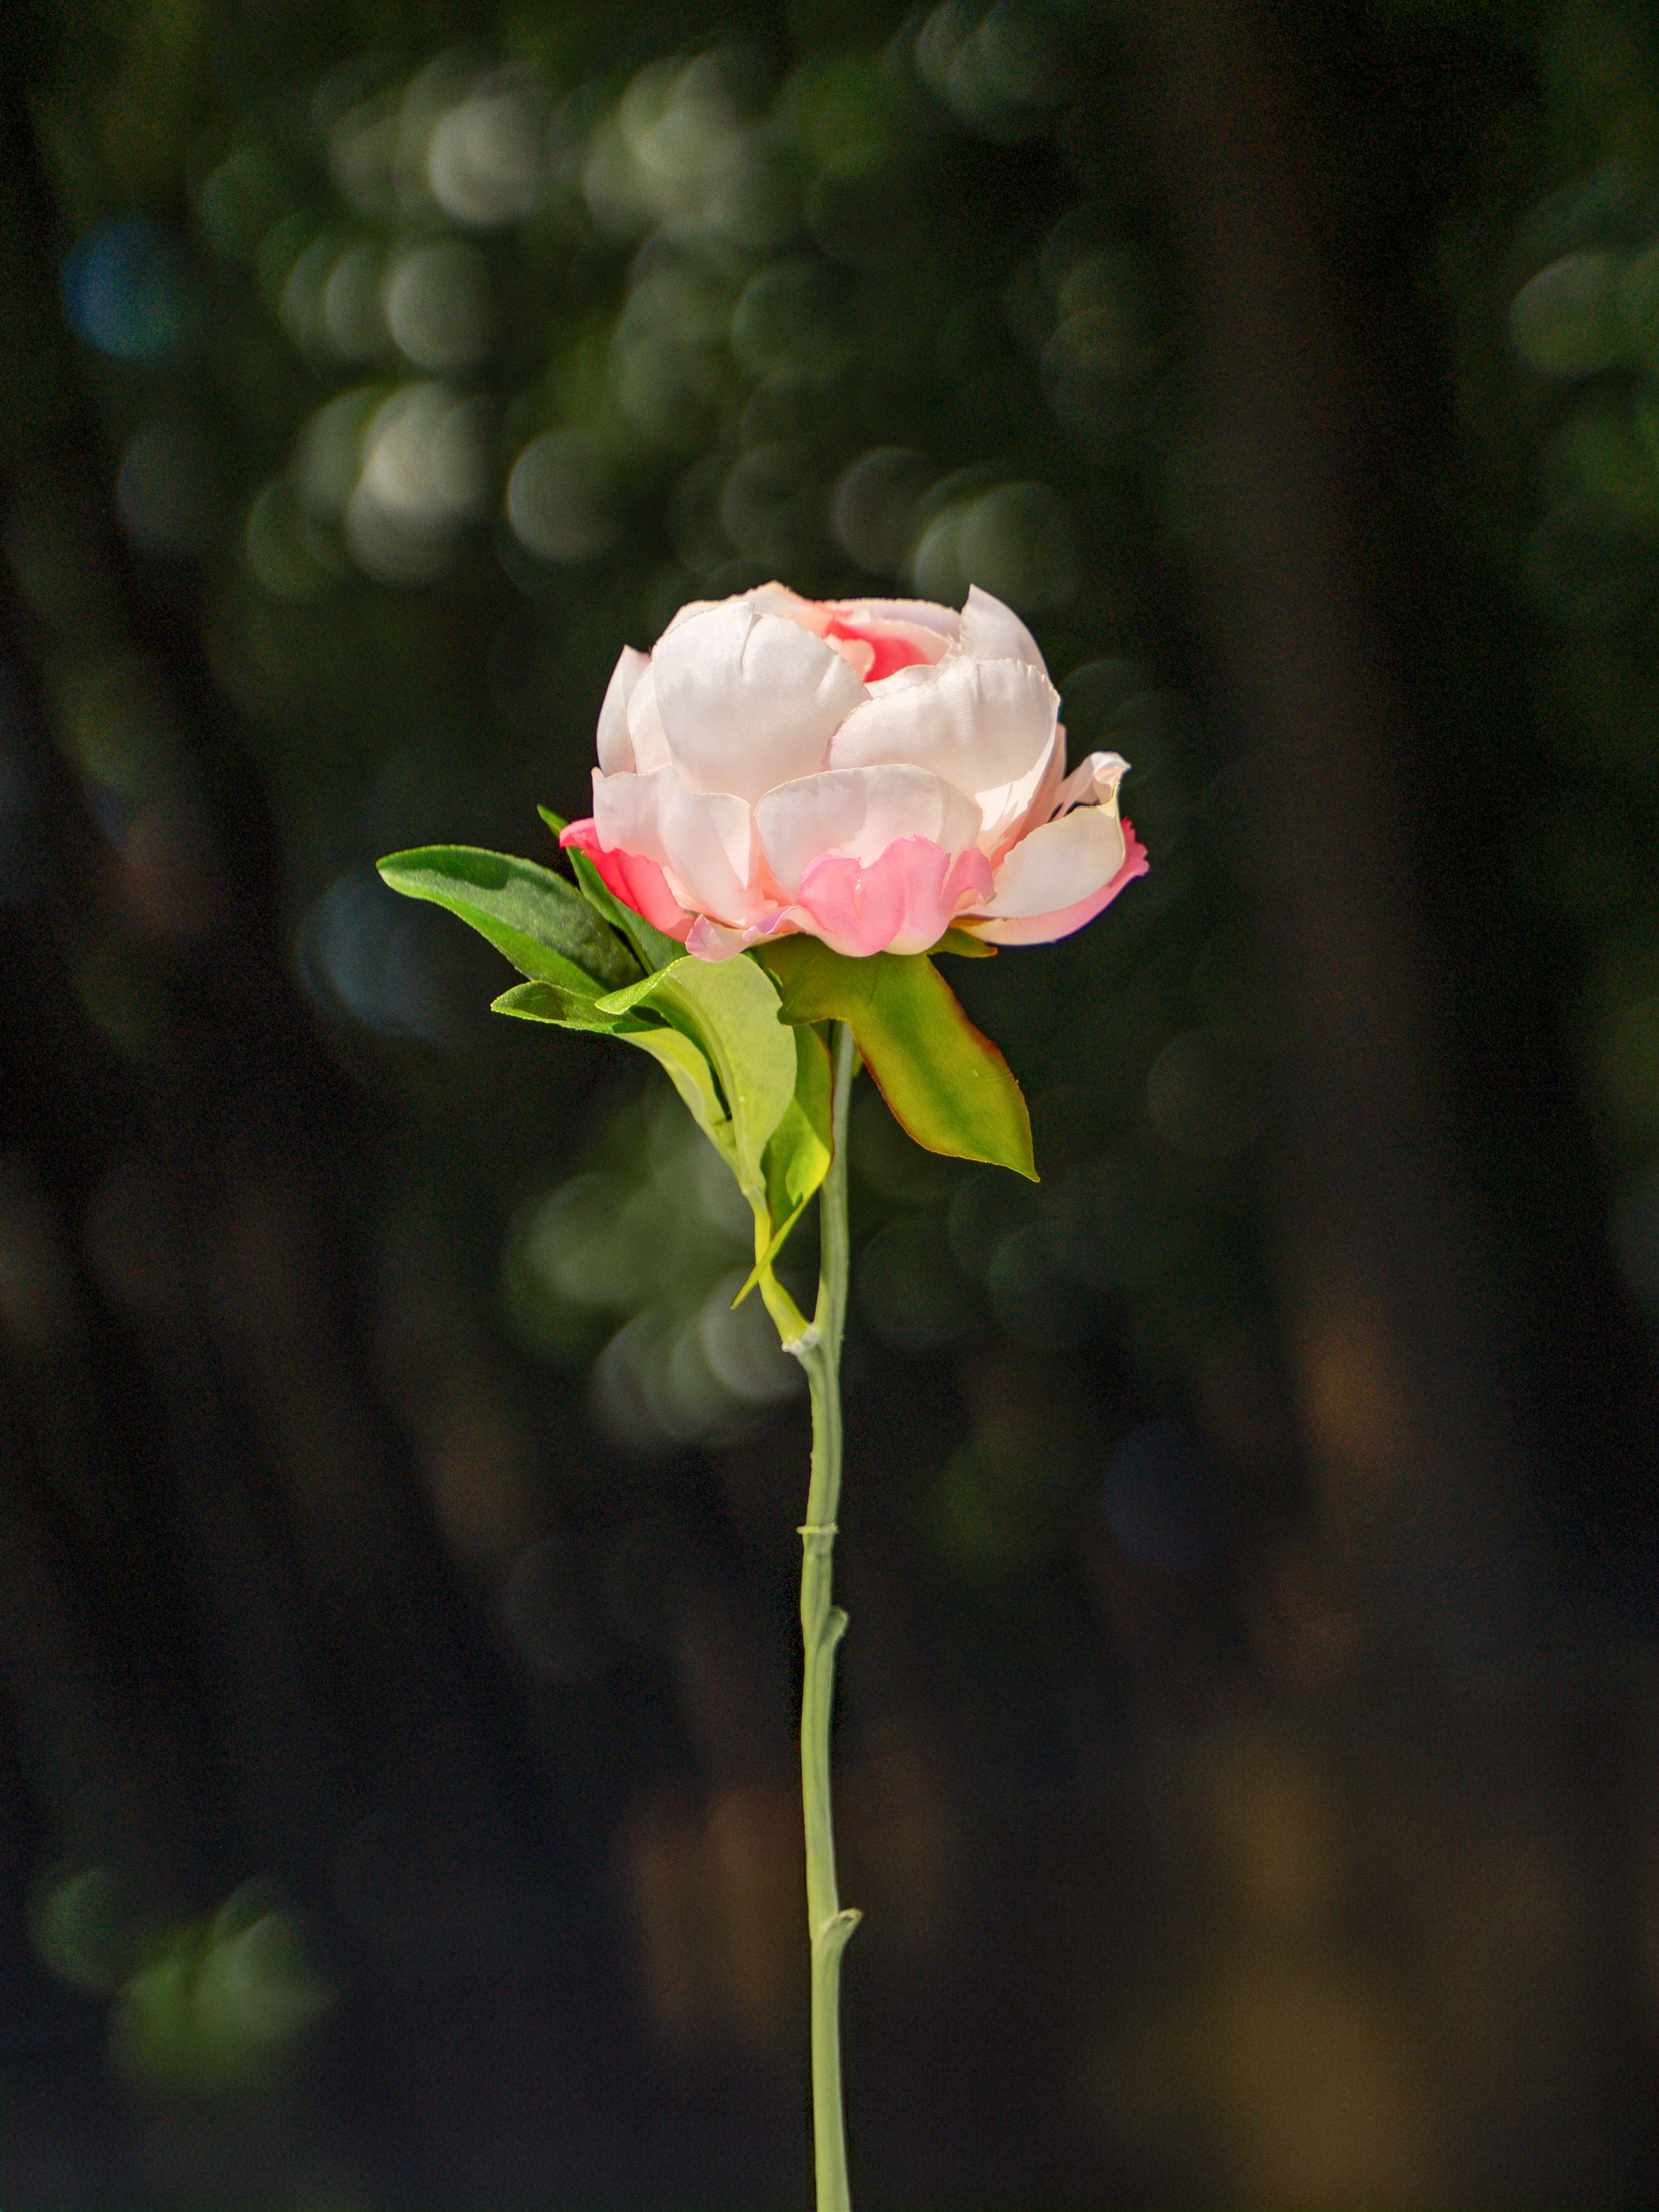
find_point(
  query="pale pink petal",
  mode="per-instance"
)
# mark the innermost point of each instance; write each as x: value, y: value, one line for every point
x: 856, y: 814
x: 920, y: 613
x: 991, y: 631
x: 902, y: 901
x: 646, y: 733
x: 987, y: 727
x: 1094, y: 781
x: 1058, y: 863
x: 1045, y: 928
x: 617, y: 756
x: 713, y: 940
x: 628, y: 813
x: 1040, y: 807
x: 889, y: 646
x: 749, y: 699
x: 704, y: 842
x: 638, y: 883
x: 857, y: 652
x: 711, y: 856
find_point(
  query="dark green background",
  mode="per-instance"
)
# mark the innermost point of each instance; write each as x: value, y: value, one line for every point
x: 1246, y: 1744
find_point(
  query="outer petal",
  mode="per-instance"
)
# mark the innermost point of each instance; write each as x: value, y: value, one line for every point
x: 903, y: 901
x: 713, y: 857
x: 637, y: 883
x: 1094, y: 781
x: 615, y: 746
x: 986, y: 727
x: 645, y: 731
x: 704, y: 842
x: 1044, y: 928
x: 991, y: 631
x: 1059, y: 863
x: 856, y: 814
x: 749, y: 699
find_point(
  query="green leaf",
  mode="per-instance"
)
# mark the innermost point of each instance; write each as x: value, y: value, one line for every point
x: 546, y: 1002
x: 688, y: 1070
x: 799, y: 1151
x: 947, y: 1084
x: 964, y: 944
x: 655, y: 950
x: 759, y: 1091
x: 542, y: 924
x: 729, y: 1008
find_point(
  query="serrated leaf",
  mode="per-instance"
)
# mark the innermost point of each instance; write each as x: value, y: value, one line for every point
x: 655, y: 950
x: 948, y: 1086
x: 542, y: 924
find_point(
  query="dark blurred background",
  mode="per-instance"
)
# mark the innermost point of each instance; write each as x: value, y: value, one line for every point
x: 1247, y: 1745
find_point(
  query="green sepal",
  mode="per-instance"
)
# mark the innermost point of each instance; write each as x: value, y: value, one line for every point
x: 539, y: 921
x: 655, y: 950
x: 947, y: 1086
x: 964, y: 944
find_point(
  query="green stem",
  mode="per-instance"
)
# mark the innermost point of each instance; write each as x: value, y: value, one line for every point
x: 823, y: 1625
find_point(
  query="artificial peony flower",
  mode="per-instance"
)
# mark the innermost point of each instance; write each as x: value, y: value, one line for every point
x: 870, y: 772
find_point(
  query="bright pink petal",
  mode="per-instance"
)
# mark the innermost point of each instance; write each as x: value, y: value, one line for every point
x: 1045, y: 928
x: 903, y: 901
x: 637, y: 883
x: 893, y: 645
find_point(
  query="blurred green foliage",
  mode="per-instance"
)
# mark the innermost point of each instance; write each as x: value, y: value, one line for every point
x: 421, y: 353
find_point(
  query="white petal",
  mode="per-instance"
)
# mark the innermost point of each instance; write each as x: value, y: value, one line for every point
x: 616, y: 747
x: 1013, y: 808
x: 1059, y: 863
x: 926, y: 614
x: 704, y: 841
x: 645, y: 728
x: 709, y: 854
x: 628, y: 813
x: 771, y: 598
x: 986, y: 727
x: 991, y: 631
x: 857, y: 813
x: 1093, y: 782
x: 749, y: 699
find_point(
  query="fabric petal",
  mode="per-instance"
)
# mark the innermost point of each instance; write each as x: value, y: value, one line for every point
x: 887, y: 645
x: 638, y: 883
x: 713, y: 940
x: 1059, y: 863
x: 749, y: 699
x: 645, y: 731
x: 617, y: 756
x: 991, y: 631
x: 1094, y: 781
x: 924, y: 614
x: 710, y: 852
x: 902, y: 901
x: 1045, y: 928
x: 856, y: 814
x: 987, y: 727
x: 704, y: 842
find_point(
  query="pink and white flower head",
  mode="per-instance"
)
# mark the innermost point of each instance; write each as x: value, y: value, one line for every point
x: 867, y: 771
